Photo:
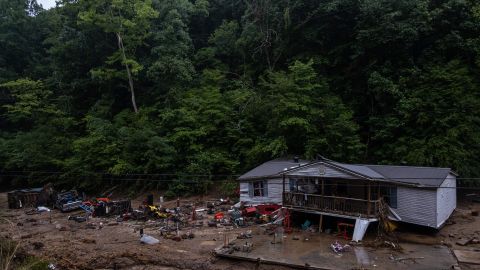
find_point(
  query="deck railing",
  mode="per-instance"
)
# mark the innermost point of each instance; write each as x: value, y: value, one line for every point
x: 331, y: 204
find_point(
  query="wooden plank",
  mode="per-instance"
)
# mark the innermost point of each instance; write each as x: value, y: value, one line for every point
x: 345, y: 205
x: 260, y: 261
x: 320, y: 226
x: 467, y: 256
x: 464, y: 241
x: 369, y: 195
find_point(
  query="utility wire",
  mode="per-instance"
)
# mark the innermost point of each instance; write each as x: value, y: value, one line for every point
x: 287, y: 184
x: 87, y: 173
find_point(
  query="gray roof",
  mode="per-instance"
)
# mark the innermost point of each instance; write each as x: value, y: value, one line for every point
x: 360, y: 169
x: 272, y: 168
x: 413, y: 175
x: 425, y: 176
x: 422, y: 176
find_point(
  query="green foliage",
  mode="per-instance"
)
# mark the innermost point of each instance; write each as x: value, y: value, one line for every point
x: 128, y: 23
x: 171, y: 44
x: 177, y: 189
x: 31, y: 101
x: 229, y: 188
x: 10, y: 259
x: 226, y: 85
x: 437, y: 128
x: 306, y: 118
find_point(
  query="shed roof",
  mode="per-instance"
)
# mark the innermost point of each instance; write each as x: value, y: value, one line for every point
x: 272, y: 168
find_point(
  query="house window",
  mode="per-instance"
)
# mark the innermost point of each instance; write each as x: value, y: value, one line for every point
x: 258, y: 189
x: 391, y: 196
x: 291, y: 184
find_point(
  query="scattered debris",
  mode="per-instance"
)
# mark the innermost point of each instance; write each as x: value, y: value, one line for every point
x: 91, y: 226
x: 245, y: 235
x: 41, y: 209
x: 247, y: 247
x: 188, y: 235
x: 339, y: 248
x: 25, y: 236
x: 149, y: 240
x: 89, y: 241
x: 23, y: 198
x: 61, y: 227
x: 390, y: 244
x: 402, y: 259
x: 467, y: 256
x: 180, y: 224
x: 68, y: 201
x: 77, y: 218
x: 38, y: 245
x: 464, y: 241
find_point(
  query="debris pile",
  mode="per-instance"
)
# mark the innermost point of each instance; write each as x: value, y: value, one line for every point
x: 68, y: 201
x: 176, y: 223
x: 339, y: 248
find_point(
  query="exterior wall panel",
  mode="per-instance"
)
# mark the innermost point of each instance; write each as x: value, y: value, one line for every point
x: 417, y: 206
x: 274, y: 194
x: 446, y: 199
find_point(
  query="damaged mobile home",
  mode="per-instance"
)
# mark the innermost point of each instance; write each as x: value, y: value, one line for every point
x: 423, y: 196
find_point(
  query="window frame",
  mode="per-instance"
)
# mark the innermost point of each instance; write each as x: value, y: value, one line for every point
x: 258, y: 186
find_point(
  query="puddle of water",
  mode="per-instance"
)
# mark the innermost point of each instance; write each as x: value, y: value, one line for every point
x: 317, y: 252
x: 362, y: 256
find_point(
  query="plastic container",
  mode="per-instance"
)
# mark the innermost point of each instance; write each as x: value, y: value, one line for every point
x: 149, y: 240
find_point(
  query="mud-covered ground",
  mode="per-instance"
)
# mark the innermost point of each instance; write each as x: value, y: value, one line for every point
x: 116, y: 245
x: 103, y: 243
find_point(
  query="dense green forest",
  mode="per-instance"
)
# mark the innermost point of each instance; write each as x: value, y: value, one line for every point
x: 193, y: 91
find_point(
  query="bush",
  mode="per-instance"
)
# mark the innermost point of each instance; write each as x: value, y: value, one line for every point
x: 12, y: 257
x: 176, y: 189
x: 229, y: 188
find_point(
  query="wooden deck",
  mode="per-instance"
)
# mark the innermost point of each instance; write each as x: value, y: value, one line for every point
x: 331, y: 204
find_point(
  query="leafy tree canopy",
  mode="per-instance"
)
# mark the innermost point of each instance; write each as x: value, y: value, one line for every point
x: 220, y: 86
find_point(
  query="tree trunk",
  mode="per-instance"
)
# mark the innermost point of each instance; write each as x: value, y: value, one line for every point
x: 130, y: 80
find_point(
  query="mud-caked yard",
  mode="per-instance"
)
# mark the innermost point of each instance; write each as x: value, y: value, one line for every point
x: 108, y: 243
x: 105, y: 243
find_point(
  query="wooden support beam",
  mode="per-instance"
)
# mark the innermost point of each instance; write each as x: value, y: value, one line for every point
x: 369, y: 203
x: 378, y: 191
x: 320, y: 225
x: 323, y: 186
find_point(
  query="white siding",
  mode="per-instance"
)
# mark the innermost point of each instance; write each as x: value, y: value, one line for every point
x: 417, y: 206
x: 322, y: 170
x: 446, y: 199
x: 274, y: 192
